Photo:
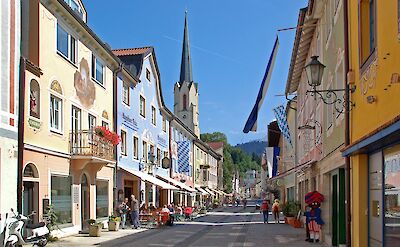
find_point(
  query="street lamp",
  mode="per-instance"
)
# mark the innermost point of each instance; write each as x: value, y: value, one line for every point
x: 314, y: 71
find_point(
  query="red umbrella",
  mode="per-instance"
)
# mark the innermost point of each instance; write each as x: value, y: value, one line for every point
x: 314, y: 196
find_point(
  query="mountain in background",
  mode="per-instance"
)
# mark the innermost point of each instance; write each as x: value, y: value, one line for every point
x: 257, y: 147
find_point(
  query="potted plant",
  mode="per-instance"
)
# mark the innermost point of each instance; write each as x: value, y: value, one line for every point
x: 107, y: 135
x: 113, y: 223
x: 290, y: 210
x: 94, y: 228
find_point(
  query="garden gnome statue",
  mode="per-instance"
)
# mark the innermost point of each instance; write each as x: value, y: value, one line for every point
x: 313, y: 216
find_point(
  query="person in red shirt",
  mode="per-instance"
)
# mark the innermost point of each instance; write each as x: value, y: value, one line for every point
x: 264, y: 209
x: 188, y: 212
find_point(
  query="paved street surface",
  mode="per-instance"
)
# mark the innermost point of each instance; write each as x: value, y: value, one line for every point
x: 231, y: 227
x: 225, y: 227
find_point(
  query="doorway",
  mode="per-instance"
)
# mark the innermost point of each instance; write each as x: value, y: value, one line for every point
x: 375, y: 202
x: 30, y: 200
x: 338, y: 207
x: 85, y: 202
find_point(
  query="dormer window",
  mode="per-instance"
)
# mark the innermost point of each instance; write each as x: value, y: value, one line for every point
x: 75, y: 6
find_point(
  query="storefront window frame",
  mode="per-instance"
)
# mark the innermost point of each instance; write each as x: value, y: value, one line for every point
x: 108, y: 198
x: 67, y: 224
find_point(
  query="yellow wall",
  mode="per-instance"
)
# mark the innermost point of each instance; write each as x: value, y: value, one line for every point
x: 359, y: 200
x: 373, y: 80
x: 368, y: 117
x: 55, y: 67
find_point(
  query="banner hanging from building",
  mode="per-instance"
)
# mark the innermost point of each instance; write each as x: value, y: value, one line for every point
x: 280, y: 115
x: 272, y: 154
x: 183, y: 156
x: 251, y: 124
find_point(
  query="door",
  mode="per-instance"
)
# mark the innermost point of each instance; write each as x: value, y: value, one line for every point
x: 76, y: 128
x: 30, y: 199
x: 85, y: 202
x: 375, y: 204
x: 338, y: 207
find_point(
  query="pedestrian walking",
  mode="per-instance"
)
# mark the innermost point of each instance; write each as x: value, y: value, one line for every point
x: 244, y: 202
x: 134, y: 212
x: 265, y: 210
x: 276, y: 210
x: 123, y: 211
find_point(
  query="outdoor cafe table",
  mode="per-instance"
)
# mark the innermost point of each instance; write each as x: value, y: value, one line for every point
x: 152, y: 218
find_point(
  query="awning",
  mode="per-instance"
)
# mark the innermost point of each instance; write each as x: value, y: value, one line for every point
x: 209, y: 191
x: 217, y: 191
x: 148, y: 178
x: 177, y: 183
x: 203, y: 192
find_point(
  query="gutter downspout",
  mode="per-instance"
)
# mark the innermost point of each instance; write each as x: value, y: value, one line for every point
x: 171, y: 193
x: 115, y: 123
x: 21, y: 124
x: 347, y: 123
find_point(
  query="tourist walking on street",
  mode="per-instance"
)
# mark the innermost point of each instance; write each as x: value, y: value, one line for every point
x: 123, y: 211
x: 264, y: 210
x: 275, y: 211
x: 244, y: 202
x: 134, y: 212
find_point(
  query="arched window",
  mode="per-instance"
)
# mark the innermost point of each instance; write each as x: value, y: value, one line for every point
x: 30, y: 171
x: 34, y: 99
x: 184, y: 102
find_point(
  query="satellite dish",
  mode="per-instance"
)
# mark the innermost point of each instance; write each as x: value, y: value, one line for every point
x: 166, y: 163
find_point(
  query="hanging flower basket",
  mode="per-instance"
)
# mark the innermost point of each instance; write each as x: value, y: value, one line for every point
x: 107, y: 135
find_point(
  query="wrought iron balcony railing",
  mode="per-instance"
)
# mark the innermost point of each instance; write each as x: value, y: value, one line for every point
x: 88, y: 143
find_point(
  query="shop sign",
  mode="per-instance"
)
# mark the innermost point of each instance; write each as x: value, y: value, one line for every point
x: 76, y: 194
x: 130, y: 121
x: 34, y: 123
x: 161, y: 141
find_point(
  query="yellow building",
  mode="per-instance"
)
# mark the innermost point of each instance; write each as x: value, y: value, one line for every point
x: 69, y: 90
x: 374, y: 149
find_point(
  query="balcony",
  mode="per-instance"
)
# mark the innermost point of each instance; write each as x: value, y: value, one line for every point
x: 87, y: 145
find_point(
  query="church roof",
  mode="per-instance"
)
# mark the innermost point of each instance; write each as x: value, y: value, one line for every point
x: 186, y: 63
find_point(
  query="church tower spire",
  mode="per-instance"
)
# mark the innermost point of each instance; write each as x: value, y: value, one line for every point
x: 186, y: 63
x: 186, y: 96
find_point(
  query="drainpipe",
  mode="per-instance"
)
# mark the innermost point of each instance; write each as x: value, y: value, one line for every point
x: 115, y: 116
x: 347, y: 123
x: 21, y: 124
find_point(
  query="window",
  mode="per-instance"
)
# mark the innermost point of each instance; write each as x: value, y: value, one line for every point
x: 91, y: 121
x: 164, y: 124
x: 144, y: 155
x: 367, y: 29
x: 101, y: 198
x: 105, y: 124
x: 55, y: 113
x: 148, y: 74
x: 97, y: 70
x: 152, y: 150
x: 158, y: 157
x: 125, y: 94
x: 153, y: 115
x: 123, y: 142
x: 61, y: 198
x: 135, y: 147
x: 66, y: 44
x: 142, y: 107
x: 34, y: 99
x: 75, y: 7
x: 184, y: 102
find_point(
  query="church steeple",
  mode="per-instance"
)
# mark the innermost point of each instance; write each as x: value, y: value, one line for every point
x: 186, y: 63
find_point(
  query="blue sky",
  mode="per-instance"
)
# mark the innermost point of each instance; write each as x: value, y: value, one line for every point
x: 231, y: 41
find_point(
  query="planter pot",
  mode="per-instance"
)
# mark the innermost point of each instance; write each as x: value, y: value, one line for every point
x: 297, y: 223
x: 94, y: 230
x: 113, y: 226
x: 290, y: 220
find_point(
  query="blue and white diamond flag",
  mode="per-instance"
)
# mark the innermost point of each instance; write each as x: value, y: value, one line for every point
x: 280, y: 115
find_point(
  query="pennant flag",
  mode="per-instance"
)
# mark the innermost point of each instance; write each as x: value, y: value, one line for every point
x: 280, y: 115
x: 272, y: 154
x: 183, y: 156
x: 251, y: 124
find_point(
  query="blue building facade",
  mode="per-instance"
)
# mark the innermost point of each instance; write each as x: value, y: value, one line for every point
x: 143, y: 125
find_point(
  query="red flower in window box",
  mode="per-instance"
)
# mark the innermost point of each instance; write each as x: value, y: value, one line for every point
x: 108, y: 135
